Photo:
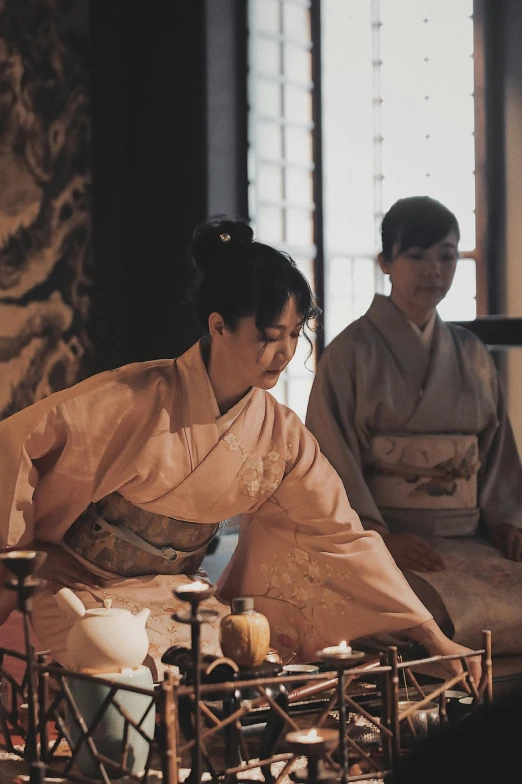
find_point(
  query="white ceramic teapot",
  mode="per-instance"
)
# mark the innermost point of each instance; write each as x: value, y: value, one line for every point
x: 105, y: 639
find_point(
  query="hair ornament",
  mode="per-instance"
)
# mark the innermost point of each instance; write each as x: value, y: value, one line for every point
x: 225, y: 237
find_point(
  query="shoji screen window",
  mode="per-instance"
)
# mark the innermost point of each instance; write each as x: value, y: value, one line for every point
x: 280, y: 166
x: 400, y: 100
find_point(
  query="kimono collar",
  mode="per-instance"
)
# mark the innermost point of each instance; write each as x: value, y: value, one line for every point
x: 227, y: 420
x: 199, y: 409
x: 412, y: 356
x: 425, y: 334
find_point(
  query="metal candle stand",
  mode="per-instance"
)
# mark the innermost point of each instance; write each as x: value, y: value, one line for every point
x: 194, y: 594
x: 341, y: 659
x: 23, y: 564
x: 313, y: 745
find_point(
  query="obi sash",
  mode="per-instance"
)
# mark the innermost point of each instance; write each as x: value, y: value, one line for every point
x: 430, y: 480
x: 129, y: 541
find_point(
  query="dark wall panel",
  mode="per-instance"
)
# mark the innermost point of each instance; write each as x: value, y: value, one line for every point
x: 150, y: 174
x: 122, y: 126
x: 45, y: 181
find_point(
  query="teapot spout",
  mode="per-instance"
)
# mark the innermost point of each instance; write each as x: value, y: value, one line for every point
x: 69, y: 603
x: 143, y: 615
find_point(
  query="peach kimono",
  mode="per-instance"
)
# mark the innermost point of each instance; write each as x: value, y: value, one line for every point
x: 145, y: 449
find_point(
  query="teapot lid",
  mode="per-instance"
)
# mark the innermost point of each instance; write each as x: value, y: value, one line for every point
x: 107, y: 609
x: 102, y: 612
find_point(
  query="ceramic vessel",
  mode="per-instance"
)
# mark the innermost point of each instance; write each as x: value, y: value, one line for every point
x: 245, y: 634
x: 104, y: 639
x: 110, y: 644
x: 109, y: 735
x: 420, y: 724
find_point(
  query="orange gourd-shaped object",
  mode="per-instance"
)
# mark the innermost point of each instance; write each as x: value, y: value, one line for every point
x: 245, y: 634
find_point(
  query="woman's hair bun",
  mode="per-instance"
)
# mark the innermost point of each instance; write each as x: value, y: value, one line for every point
x: 219, y: 239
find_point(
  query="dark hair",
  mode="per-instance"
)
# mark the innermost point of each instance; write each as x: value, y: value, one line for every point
x: 418, y: 221
x: 237, y: 276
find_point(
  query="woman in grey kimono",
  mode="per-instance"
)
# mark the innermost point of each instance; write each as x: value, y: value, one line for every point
x: 411, y: 413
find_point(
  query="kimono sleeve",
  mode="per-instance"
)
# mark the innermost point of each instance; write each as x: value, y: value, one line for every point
x: 41, y: 457
x: 500, y: 477
x: 27, y: 438
x: 330, y: 418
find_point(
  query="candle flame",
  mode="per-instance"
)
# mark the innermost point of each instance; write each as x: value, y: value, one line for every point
x: 312, y: 735
x: 343, y: 645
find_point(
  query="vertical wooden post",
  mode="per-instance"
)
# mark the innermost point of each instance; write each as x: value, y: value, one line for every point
x: 443, y: 713
x: 394, y: 707
x: 341, y: 700
x: 43, y: 692
x: 169, y: 736
x: 488, y: 667
x: 385, y: 712
x: 196, y: 621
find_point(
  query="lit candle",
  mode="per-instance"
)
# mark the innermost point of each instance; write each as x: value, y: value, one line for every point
x: 301, y: 741
x: 196, y: 587
x: 194, y: 592
x: 22, y: 563
x: 312, y: 737
x: 312, y: 743
x: 340, y: 654
x: 343, y: 649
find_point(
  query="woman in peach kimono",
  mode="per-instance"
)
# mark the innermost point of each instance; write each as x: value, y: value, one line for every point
x: 124, y: 478
x: 410, y: 412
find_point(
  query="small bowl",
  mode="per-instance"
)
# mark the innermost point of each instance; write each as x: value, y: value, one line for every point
x: 300, y: 669
x: 291, y: 670
x: 419, y: 724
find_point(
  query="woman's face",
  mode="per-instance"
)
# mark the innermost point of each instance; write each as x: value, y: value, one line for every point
x: 421, y: 277
x: 255, y: 360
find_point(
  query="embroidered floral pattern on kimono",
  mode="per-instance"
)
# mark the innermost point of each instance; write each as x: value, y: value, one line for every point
x: 305, y: 583
x: 259, y: 475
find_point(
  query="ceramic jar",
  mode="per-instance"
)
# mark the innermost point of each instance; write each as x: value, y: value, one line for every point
x: 245, y: 634
x: 109, y: 736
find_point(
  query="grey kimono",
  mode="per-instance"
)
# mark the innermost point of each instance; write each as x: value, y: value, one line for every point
x: 421, y: 439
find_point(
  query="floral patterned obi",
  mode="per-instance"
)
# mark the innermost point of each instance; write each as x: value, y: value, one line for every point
x: 129, y: 541
x: 435, y: 471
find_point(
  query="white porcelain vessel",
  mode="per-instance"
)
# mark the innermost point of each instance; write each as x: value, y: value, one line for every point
x: 110, y: 736
x: 106, y: 639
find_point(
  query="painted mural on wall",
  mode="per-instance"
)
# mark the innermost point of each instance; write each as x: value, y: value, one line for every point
x: 45, y: 232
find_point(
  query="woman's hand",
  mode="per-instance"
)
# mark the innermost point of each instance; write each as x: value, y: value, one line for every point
x: 454, y: 667
x: 508, y: 540
x: 410, y: 551
x: 437, y: 644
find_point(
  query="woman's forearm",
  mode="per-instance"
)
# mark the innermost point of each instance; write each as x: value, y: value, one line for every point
x: 428, y: 634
